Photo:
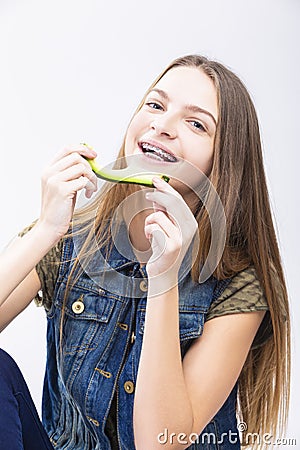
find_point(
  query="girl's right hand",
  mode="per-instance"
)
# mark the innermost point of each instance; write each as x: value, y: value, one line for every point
x: 68, y: 173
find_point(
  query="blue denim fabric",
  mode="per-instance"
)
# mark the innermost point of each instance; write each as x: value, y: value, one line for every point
x: 20, y: 425
x: 99, y: 355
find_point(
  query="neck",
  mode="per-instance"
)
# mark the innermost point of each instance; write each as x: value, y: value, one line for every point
x: 135, y: 210
x: 136, y: 232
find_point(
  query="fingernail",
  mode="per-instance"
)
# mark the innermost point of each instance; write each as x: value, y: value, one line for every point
x: 89, y: 147
x: 148, y: 195
x: 157, y: 180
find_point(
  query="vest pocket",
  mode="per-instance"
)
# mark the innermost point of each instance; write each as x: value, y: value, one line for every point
x: 190, y: 324
x: 86, y: 317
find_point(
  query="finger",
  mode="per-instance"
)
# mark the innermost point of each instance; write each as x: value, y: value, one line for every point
x: 150, y: 228
x: 163, y: 186
x: 161, y: 219
x: 157, y: 239
x: 70, y: 167
x: 68, y: 161
x: 82, y: 149
x: 169, y: 202
x: 77, y: 171
x: 73, y: 186
x: 158, y: 207
x: 177, y: 211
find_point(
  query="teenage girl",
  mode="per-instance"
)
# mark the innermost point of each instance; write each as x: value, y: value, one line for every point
x: 140, y: 353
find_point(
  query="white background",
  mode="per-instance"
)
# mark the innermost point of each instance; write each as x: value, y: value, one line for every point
x: 73, y: 71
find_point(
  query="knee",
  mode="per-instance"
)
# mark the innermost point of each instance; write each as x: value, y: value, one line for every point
x: 9, y: 370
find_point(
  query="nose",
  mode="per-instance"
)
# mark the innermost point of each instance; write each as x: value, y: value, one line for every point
x: 165, y: 125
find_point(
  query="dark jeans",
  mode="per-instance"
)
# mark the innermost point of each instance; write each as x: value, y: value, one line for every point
x: 20, y: 426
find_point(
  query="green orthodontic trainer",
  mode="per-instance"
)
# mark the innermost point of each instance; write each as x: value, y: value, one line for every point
x: 124, y: 175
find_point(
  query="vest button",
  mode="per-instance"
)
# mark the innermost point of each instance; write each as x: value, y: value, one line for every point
x: 133, y: 337
x: 94, y: 421
x: 143, y: 286
x: 78, y: 307
x: 129, y: 387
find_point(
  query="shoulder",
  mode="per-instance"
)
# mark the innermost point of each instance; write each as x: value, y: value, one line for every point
x: 244, y: 282
x: 243, y: 294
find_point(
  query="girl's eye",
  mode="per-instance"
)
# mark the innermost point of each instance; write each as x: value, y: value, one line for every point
x: 197, y: 125
x: 154, y: 105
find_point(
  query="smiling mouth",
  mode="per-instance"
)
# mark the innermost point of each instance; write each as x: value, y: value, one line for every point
x: 157, y: 153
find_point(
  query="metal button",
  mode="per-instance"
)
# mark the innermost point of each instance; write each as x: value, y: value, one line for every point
x: 94, y: 421
x: 78, y: 307
x: 129, y: 387
x: 132, y: 339
x: 104, y: 373
x: 143, y: 286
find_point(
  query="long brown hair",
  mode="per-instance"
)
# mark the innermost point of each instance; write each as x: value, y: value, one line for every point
x: 238, y: 176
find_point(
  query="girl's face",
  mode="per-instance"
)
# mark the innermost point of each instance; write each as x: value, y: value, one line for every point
x: 178, y: 119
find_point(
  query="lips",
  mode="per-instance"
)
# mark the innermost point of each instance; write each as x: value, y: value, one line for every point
x: 157, y: 151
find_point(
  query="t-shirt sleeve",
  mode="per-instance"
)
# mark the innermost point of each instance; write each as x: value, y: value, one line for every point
x: 243, y: 294
x: 47, y: 270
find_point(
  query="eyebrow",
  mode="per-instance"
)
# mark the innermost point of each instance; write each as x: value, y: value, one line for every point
x: 192, y: 108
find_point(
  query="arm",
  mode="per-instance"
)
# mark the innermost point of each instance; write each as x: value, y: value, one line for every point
x: 19, y: 280
x: 20, y: 257
x: 68, y: 173
x: 172, y: 394
x: 180, y: 396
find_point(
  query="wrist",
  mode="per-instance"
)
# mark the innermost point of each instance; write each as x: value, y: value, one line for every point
x: 47, y: 234
x: 162, y: 283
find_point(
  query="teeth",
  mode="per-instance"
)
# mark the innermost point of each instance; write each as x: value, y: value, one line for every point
x: 158, y: 153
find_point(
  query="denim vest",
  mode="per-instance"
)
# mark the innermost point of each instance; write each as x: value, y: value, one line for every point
x: 98, y: 355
